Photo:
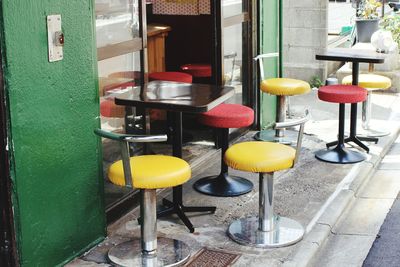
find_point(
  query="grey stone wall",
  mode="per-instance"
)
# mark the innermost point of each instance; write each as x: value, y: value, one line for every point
x: 305, y: 32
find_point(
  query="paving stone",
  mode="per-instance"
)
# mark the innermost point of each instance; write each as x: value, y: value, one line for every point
x: 344, y: 251
x: 391, y: 162
x: 384, y: 184
x: 364, y: 217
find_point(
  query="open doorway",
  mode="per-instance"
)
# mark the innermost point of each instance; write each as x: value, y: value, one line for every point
x: 138, y: 37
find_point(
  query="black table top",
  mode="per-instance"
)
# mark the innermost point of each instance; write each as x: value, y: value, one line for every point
x: 353, y: 55
x: 173, y: 96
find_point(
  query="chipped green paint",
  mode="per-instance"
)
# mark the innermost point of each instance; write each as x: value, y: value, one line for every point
x: 53, y: 110
x: 269, y: 43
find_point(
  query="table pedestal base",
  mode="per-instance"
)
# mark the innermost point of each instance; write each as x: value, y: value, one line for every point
x: 179, y: 209
x: 340, y: 155
x: 357, y: 140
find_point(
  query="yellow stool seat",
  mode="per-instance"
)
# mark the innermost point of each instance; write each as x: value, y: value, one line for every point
x: 261, y: 157
x: 285, y: 86
x: 152, y: 172
x: 370, y: 81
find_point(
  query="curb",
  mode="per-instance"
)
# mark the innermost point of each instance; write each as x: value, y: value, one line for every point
x: 319, y: 229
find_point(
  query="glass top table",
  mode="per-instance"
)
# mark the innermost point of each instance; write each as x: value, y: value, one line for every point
x: 176, y: 98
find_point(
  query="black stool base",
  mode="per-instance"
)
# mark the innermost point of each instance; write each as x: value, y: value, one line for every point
x: 340, y: 155
x: 223, y: 185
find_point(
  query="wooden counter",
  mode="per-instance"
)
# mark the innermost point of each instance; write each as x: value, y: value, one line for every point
x: 156, y: 34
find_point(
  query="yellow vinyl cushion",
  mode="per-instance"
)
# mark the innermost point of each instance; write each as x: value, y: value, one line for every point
x: 152, y: 172
x: 260, y: 156
x: 285, y: 86
x: 370, y: 81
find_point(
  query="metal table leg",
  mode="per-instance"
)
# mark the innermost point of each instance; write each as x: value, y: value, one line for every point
x: 340, y: 154
x: 176, y: 205
x: 353, y: 120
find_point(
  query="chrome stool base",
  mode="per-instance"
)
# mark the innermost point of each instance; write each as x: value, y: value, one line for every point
x: 270, y: 136
x: 170, y: 252
x: 246, y: 232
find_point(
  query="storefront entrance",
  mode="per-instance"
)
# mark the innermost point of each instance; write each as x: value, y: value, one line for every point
x: 136, y: 39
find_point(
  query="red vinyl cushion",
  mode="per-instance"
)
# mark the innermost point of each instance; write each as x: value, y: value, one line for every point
x: 228, y: 116
x: 109, y: 109
x: 171, y: 76
x: 197, y: 70
x: 342, y: 93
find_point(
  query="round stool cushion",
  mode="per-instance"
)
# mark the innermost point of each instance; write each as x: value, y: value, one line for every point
x: 109, y: 109
x: 171, y: 76
x: 370, y: 81
x: 342, y: 93
x: 152, y: 172
x: 285, y: 86
x: 260, y: 156
x: 228, y: 116
x: 197, y: 70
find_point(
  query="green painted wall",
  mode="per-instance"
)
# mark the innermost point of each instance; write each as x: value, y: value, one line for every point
x: 269, y: 43
x: 53, y: 107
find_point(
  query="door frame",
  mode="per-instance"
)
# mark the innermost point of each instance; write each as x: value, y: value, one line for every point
x: 250, y: 37
x: 8, y: 252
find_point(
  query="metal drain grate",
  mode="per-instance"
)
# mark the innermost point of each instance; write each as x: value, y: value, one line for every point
x: 209, y: 257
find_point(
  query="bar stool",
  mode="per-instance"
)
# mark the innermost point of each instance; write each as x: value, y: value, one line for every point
x: 222, y: 118
x: 282, y: 88
x: 201, y: 72
x: 341, y: 94
x: 147, y: 173
x: 371, y: 82
x: 171, y: 76
x: 268, y: 230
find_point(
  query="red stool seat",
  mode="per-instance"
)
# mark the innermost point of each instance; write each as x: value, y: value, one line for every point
x: 109, y: 109
x: 342, y: 93
x: 197, y: 70
x: 228, y: 116
x: 171, y: 76
x: 222, y: 118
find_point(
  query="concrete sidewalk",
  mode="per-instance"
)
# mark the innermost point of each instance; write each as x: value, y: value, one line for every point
x: 314, y: 193
x: 352, y: 236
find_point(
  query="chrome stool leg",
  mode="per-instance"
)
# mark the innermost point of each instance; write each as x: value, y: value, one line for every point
x: 268, y: 230
x: 277, y: 135
x: 366, y: 117
x: 149, y: 250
